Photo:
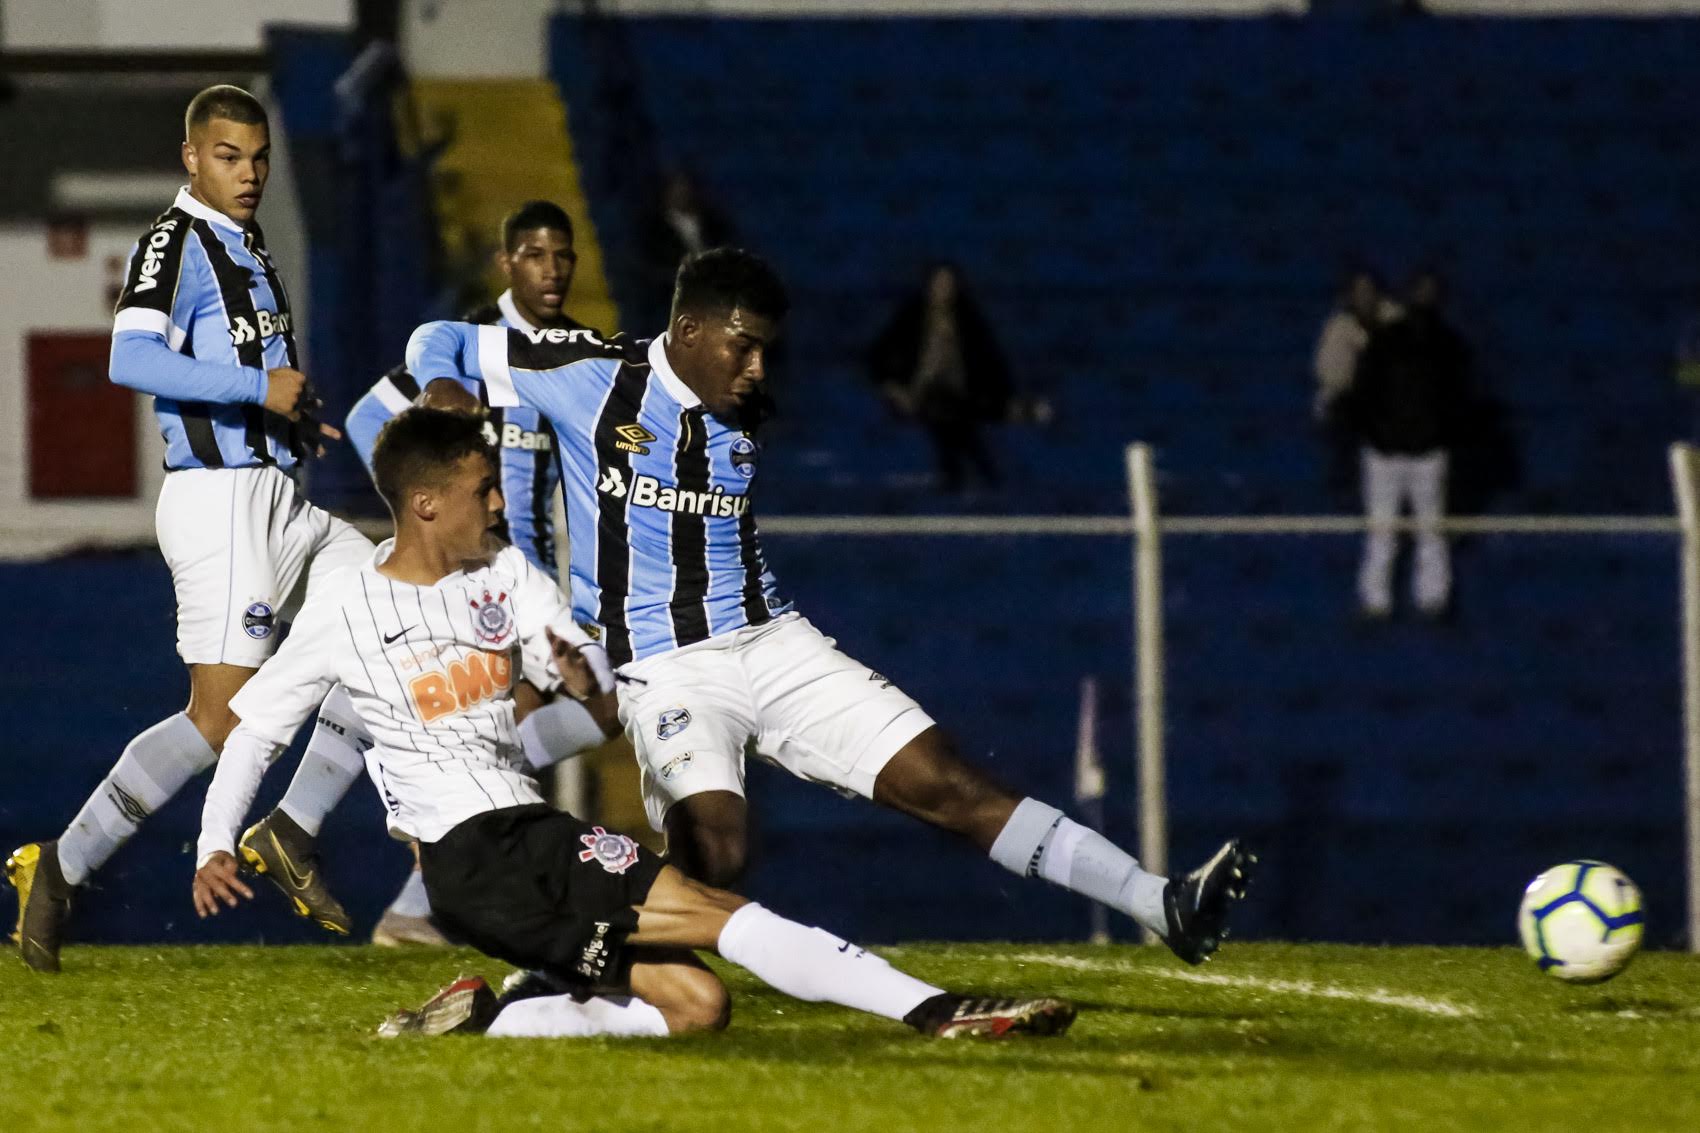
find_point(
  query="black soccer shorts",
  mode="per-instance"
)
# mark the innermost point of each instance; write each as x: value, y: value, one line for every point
x: 538, y: 888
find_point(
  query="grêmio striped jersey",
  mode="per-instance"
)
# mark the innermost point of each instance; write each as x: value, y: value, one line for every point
x: 202, y: 317
x: 665, y: 551
x: 524, y: 443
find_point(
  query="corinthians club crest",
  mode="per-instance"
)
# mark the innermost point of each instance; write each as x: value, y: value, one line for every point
x: 491, y: 618
x: 615, y: 853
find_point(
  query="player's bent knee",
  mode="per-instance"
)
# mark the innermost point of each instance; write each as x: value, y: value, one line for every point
x: 702, y: 1004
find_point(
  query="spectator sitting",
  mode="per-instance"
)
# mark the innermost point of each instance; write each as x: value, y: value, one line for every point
x: 1406, y: 405
x: 937, y: 363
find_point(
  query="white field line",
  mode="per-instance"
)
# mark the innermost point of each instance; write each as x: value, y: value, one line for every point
x: 1380, y: 997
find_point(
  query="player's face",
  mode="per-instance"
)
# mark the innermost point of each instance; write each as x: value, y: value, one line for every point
x: 228, y: 163
x: 540, y: 272
x: 468, y: 509
x: 723, y: 358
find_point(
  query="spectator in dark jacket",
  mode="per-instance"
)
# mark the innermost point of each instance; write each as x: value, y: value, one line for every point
x: 937, y: 363
x: 1406, y: 405
x: 681, y: 222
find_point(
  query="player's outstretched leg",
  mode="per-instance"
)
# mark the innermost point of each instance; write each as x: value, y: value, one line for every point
x: 153, y: 767
x: 928, y: 780
x: 813, y: 965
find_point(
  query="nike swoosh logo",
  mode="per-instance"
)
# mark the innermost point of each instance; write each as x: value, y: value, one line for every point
x: 295, y: 878
x: 390, y: 639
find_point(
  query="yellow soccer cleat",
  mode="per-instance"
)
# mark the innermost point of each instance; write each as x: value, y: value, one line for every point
x: 279, y: 850
x: 44, y: 902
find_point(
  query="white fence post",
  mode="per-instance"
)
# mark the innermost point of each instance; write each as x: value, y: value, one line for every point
x: 1682, y: 475
x: 1148, y: 647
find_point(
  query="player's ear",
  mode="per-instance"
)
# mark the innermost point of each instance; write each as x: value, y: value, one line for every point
x: 423, y: 504
x: 686, y: 328
x: 190, y: 158
x: 504, y: 263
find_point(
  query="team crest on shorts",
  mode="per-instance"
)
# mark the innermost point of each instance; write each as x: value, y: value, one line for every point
x: 491, y: 617
x: 672, y: 722
x: 615, y: 853
x: 258, y: 620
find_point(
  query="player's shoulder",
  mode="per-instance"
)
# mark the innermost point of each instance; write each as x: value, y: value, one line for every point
x: 156, y: 262
x: 510, y: 565
x: 484, y: 314
x: 550, y: 348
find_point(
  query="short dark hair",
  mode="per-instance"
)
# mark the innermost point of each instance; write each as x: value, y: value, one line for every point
x: 419, y: 446
x: 531, y: 216
x: 224, y: 101
x: 724, y: 279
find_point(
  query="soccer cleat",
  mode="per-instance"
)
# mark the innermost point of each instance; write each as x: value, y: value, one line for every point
x: 957, y: 1016
x: 529, y: 984
x: 277, y: 848
x: 44, y: 901
x: 397, y: 930
x: 1196, y: 905
x: 467, y: 1007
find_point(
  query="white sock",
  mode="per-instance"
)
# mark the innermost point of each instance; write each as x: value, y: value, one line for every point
x: 334, y: 758
x: 154, y: 767
x: 1041, y: 841
x: 814, y: 965
x: 411, y: 901
x: 561, y: 1016
x: 558, y: 731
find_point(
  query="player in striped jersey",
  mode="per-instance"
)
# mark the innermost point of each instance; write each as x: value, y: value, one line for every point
x: 428, y: 637
x: 659, y: 457
x: 204, y: 325
x: 537, y: 259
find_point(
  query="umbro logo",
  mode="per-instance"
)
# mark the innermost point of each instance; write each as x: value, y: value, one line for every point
x: 634, y: 438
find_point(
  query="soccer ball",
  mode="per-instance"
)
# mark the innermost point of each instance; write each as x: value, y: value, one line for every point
x: 1581, y: 921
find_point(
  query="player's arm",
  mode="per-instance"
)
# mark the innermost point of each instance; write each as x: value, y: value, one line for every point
x: 514, y: 367
x: 155, y: 314
x: 558, y: 656
x: 271, y: 707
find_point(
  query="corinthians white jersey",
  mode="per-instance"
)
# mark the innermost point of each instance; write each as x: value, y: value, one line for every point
x: 430, y: 670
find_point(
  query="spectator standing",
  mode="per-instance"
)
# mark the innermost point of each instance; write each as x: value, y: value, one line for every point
x: 937, y: 363
x: 1406, y: 402
x: 681, y: 222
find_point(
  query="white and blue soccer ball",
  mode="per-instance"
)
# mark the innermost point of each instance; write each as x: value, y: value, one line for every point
x: 1581, y: 921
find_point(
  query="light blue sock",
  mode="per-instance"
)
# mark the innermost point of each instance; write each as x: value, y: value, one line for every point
x: 412, y: 901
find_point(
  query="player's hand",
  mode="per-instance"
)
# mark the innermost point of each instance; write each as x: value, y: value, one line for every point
x: 446, y: 393
x: 217, y: 881
x: 286, y: 389
x: 578, y: 679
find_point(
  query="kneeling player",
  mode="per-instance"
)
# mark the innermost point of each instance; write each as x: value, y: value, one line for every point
x: 428, y: 638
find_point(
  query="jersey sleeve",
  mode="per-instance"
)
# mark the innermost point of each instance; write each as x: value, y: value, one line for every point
x: 539, y: 606
x: 154, y: 316
x: 515, y: 367
x: 388, y: 397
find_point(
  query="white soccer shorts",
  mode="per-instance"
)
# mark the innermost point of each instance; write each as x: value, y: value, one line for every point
x: 244, y: 548
x: 781, y: 688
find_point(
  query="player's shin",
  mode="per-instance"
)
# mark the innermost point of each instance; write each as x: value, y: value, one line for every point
x: 1041, y: 841
x: 333, y: 760
x: 814, y: 965
x: 562, y: 1016
x: 153, y: 768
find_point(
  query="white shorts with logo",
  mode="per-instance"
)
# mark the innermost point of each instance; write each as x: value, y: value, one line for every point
x: 781, y: 688
x: 245, y: 548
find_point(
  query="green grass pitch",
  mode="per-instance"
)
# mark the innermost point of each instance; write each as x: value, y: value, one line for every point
x: 1268, y: 1037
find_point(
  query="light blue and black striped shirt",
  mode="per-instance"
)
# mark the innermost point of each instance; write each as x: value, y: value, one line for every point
x: 665, y: 551
x: 524, y: 443
x: 202, y: 317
